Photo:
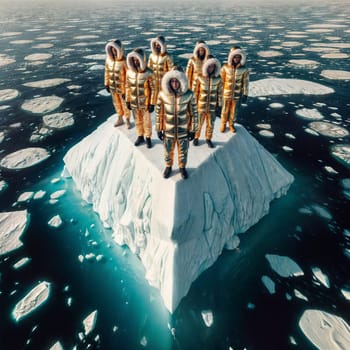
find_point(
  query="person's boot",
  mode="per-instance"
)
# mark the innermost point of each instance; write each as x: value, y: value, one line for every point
x: 223, y: 127
x: 183, y: 173
x: 167, y: 172
x: 195, y: 142
x: 128, y: 125
x: 209, y: 143
x: 139, y: 141
x: 119, y: 121
x: 148, y: 142
x: 232, y: 129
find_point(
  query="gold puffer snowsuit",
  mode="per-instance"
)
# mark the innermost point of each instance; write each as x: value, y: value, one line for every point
x: 235, y: 82
x: 140, y: 92
x: 115, y: 78
x: 208, y: 90
x: 176, y: 115
x: 160, y: 64
x: 194, y: 64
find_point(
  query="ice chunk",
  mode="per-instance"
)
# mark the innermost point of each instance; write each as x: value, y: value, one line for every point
x: 24, y: 158
x: 321, y: 277
x: 57, y: 194
x: 291, y: 43
x: 336, y: 55
x: 143, y: 341
x: 287, y: 149
x: 56, y: 346
x: 208, y: 318
x: 264, y: 126
x: 6, y: 60
x: 55, y: 221
x: 276, y: 105
x: 90, y: 322
x: 269, y: 53
x: 3, y: 185
x: 43, y: 84
x: 277, y: 86
x: 96, y: 57
x: 25, y: 196
x: 269, y: 284
x: 310, y: 114
x: 330, y: 170
x: 38, y: 57
x: 266, y: 133
x: 21, y: 263
x: 8, y: 94
x: 328, y: 129
x: 58, y: 120
x: 284, y: 266
x: 35, y: 298
x: 311, y: 132
x: 325, y: 330
x: 12, y: 226
x: 304, y: 63
x: 336, y: 74
x: 42, y: 105
x: 341, y: 152
x: 40, y: 194
x: 300, y: 295
x: 183, y: 231
x: 346, y: 293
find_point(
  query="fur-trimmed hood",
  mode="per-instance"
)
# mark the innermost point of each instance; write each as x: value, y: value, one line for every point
x: 140, y: 55
x: 161, y: 41
x: 207, y: 63
x: 196, y: 48
x: 236, y: 51
x: 180, y: 76
x: 118, y: 46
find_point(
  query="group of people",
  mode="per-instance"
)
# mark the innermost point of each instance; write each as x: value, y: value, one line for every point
x: 182, y: 100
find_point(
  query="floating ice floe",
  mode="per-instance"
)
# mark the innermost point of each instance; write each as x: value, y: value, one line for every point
x: 43, y: 46
x: 279, y: 86
x: 335, y: 55
x: 57, y: 194
x: 336, y: 74
x: 320, y: 276
x: 8, y: 94
x: 325, y: 330
x: 12, y: 226
x: 21, y: 42
x: 276, y: 105
x: 35, y: 298
x: 346, y: 293
x: 208, y: 318
x: 284, y: 266
x: 341, y: 152
x: 90, y: 322
x: 320, y: 49
x: 96, y: 57
x: 58, y: 120
x: 83, y: 37
x: 24, y: 158
x: 266, y: 133
x: 330, y: 170
x: 269, y: 284
x: 55, y: 221
x: 38, y: 57
x: 291, y: 43
x: 263, y: 126
x: 42, y: 105
x: 46, y: 83
x: 10, y: 34
x: 300, y: 295
x: 317, y: 210
x: 97, y: 67
x: 39, y: 194
x: 304, y: 63
x: 287, y: 149
x: 309, y: 114
x: 74, y: 87
x: 103, y: 93
x: 3, y: 185
x: 328, y: 129
x: 56, y: 346
x: 290, y: 136
x: 25, y: 196
x: 186, y: 55
x: 311, y: 132
x: 2, y: 136
x: 22, y: 262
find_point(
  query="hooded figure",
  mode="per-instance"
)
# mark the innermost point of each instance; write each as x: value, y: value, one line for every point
x: 176, y: 118
x: 195, y: 63
x: 235, y: 80
x: 207, y: 89
x: 140, y: 94
x: 159, y: 61
x: 115, y: 77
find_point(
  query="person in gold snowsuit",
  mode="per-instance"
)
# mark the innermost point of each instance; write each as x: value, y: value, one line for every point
x: 235, y: 80
x: 207, y: 89
x: 176, y: 119
x: 195, y: 63
x: 114, y: 79
x: 159, y: 61
x: 140, y: 94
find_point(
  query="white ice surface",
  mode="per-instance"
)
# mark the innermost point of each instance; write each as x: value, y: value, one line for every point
x: 336, y: 74
x: 341, y: 152
x: 326, y: 331
x: 3, y: 185
x: 90, y: 322
x: 55, y: 221
x: 277, y: 86
x: 12, y: 226
x: 31, y: 301
x: 42, y: 105
x: 58, y: 120
x: 22, y: 262
x: 8, y: 94
x: 56, y: 346
x: 208, y: 317
x: 38, y: 57
x: 177, y: 227
x: 309, y: 114
x: 328, y: 129
x: 320, y: 276
x: 24, y: 158
x: 42, y: 84
x: 284, y: 266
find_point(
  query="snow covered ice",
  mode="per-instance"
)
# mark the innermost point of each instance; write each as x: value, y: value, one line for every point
x: 178, y: 228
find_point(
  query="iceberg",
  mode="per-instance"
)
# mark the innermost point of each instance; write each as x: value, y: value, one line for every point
x: 177, y: 227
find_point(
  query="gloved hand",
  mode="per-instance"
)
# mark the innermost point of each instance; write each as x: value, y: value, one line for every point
x: 218, y: 111
x: 150, y: 108
x: 244, y: 98
x: 108, y: 89
x: 191, y: 135
x: 161, y: 135
x: 128, y: 105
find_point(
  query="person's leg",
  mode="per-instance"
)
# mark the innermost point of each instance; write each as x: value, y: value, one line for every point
x: 117, y: 100
x: 138, y: 115
x: 201, y: 118
x: 169, y: 145
x: 224, y: 114
x: 209, y: 120
x: 182, y: 150
x: 147, y: 126
x: 233, y: 111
